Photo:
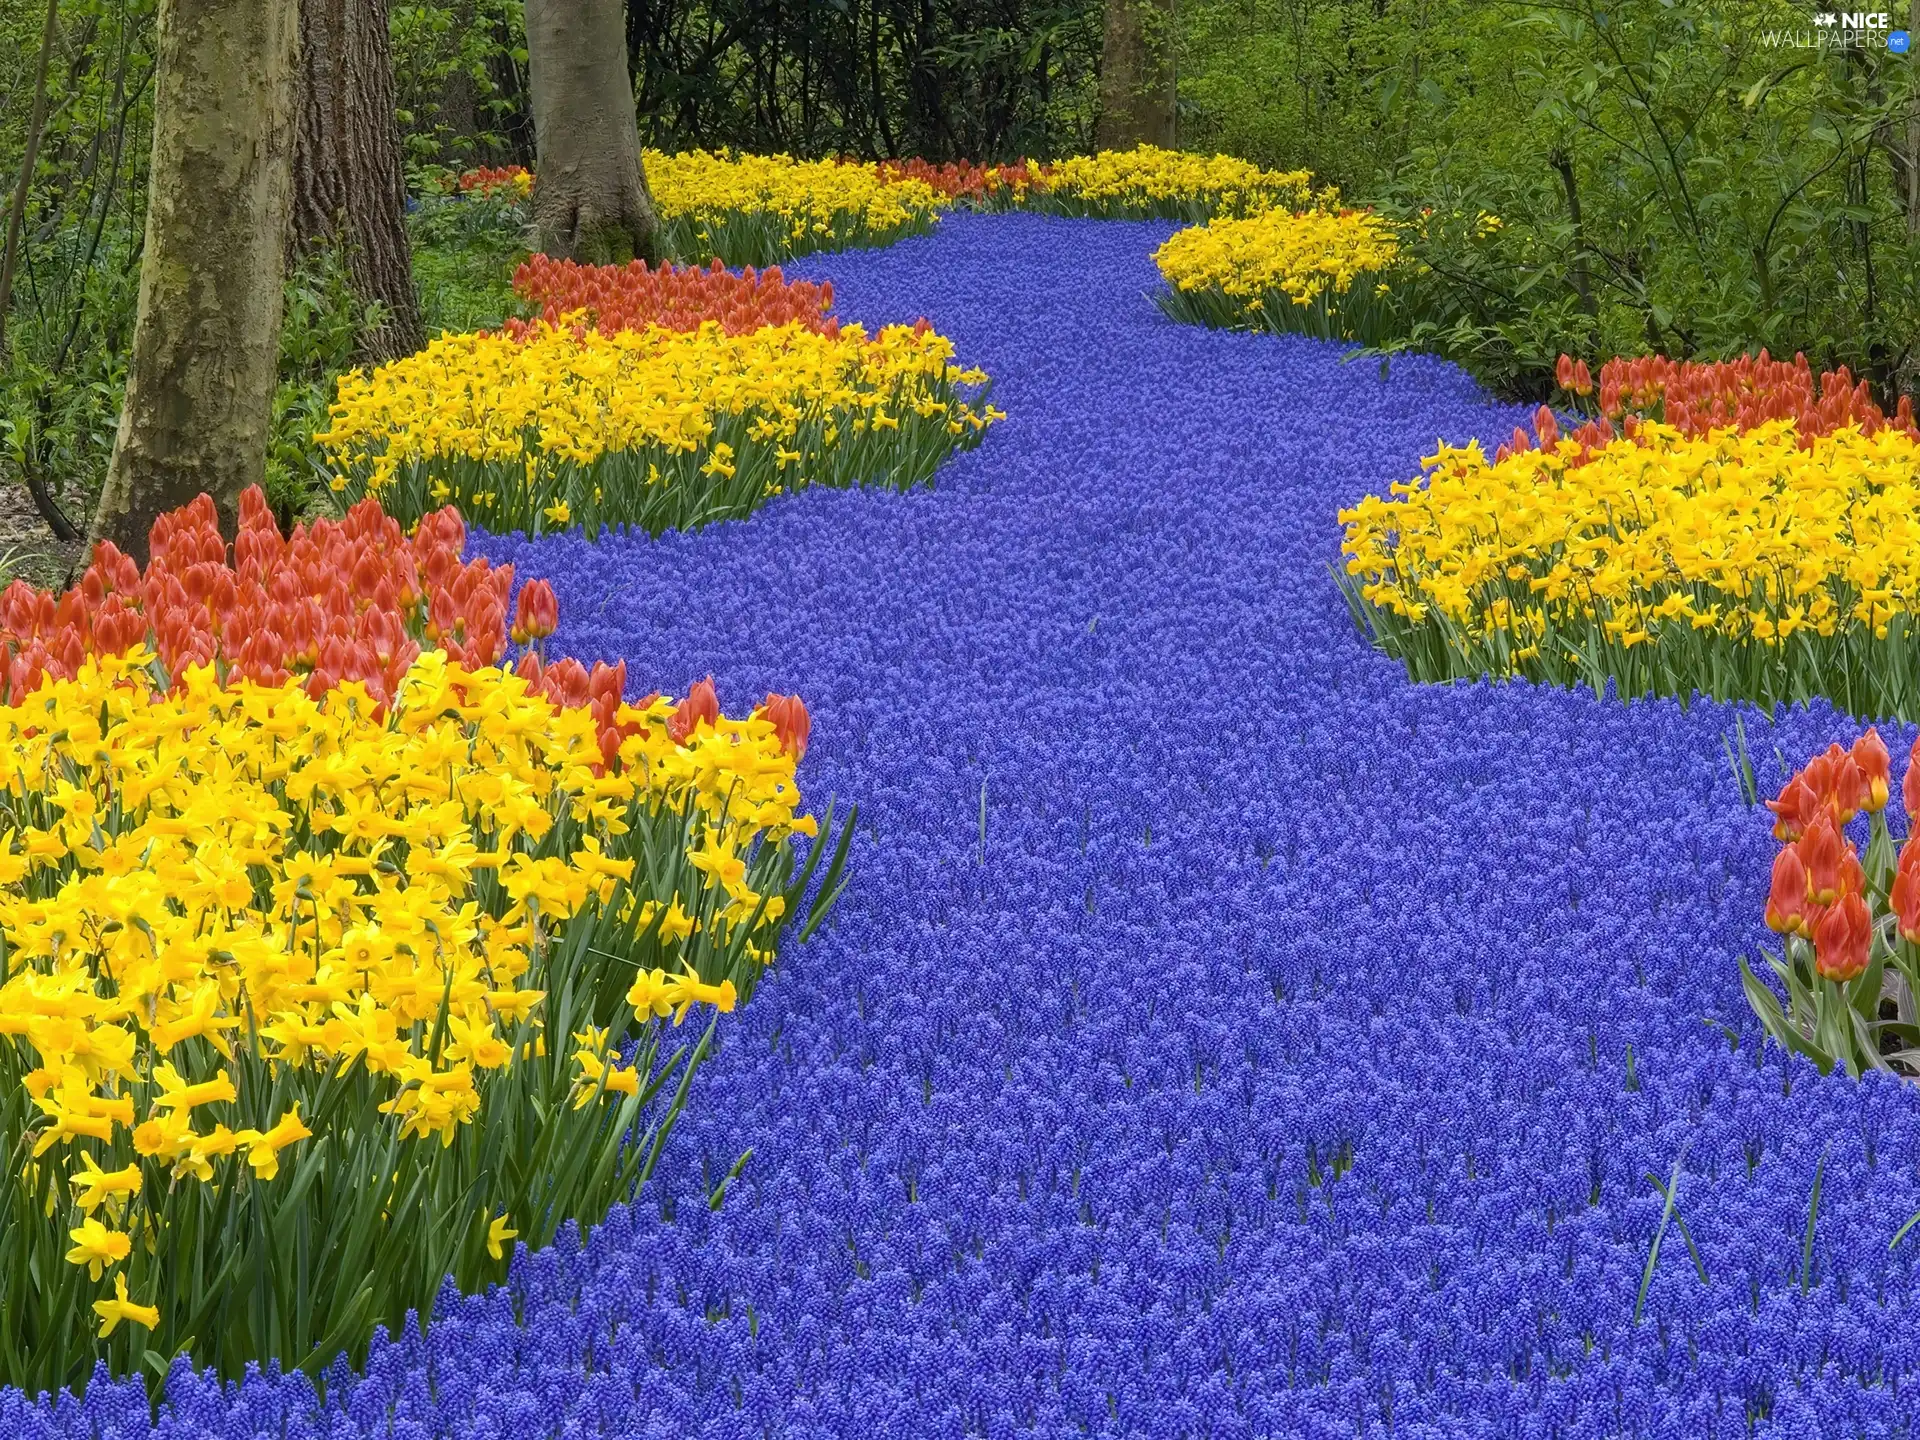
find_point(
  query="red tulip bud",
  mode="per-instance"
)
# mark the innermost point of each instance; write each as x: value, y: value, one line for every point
x: 1821, y: 849
x: 1905, y: 896
x: 702, y: 704
x: 791, y: 723
x: 1876, y: 767
x: 566, y: 683
x: 537, y: 613
x: 1843, y: 940
x: 1794, y: 810
x: 1787, y: 900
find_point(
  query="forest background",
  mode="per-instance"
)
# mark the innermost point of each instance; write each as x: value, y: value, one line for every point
x: 1698, y: 179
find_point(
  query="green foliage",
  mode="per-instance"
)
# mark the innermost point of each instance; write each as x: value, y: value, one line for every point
x: 459, y: 72
x: 77, y: 277
x: 319, y: 337
x: 943, y: 79
x: 1674, y: 178
x: 465, y: 249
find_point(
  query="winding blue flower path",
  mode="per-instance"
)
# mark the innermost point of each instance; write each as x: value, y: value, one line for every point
x: 1289, y: 1052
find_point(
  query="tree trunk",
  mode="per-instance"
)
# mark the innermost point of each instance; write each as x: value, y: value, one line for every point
x: 1137, y: 74
x: 349, y: 187
x: 206, y: 340
x: 590, y: 200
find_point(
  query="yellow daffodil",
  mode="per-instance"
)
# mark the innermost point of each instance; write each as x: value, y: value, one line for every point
x: 120, y: 1307
x: 92, y: 1185
x: 97, y: 1247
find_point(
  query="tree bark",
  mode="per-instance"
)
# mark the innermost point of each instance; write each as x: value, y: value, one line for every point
x: 349, y: 186
x: 206, y: 341
x: 1137, y: 77
x: 590, y: 200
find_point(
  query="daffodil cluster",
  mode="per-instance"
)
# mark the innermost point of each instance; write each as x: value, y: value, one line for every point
x: 1740, y: 563
x: 1148, y: 183
x: 307, y: 1003
x: 562, y: 426
x: 1319, y: 272
x: 761, y: 209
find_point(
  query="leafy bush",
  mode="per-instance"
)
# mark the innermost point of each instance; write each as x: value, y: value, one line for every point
x: 1669, y: 177
x: 465, y: 248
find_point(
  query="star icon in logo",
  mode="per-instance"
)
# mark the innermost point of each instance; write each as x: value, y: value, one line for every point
x: 1825, y: 17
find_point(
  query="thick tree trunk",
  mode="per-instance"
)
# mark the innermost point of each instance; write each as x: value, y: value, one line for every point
x: 590, y: 200
x: 1137, y: 74
x: 206, y: 338
x: 349, y: 187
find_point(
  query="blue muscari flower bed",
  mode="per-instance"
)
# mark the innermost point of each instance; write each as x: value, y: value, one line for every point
x: 1264, y: 1071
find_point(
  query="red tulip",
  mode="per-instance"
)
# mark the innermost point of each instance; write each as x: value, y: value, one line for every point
x: 1836, y: 779
x: 566, y: 683
x: 702, y: 704
x: 1843, y: 940
x: 1787, y: 900
x: 607, y: 684
x: 1796, y: 808
x: 1905, y: 896
x: 1821, y: 851
x: 1876, y: 767
x: 791, y: 723
x: 1910, y: 787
